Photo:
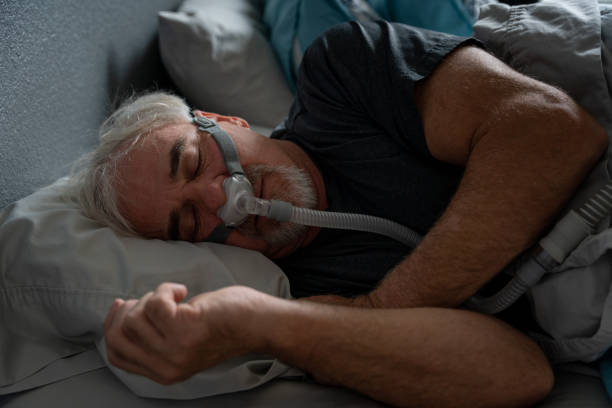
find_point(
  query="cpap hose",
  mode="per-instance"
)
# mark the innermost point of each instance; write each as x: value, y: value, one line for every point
x: 551, y: 251
x: 285, y: 212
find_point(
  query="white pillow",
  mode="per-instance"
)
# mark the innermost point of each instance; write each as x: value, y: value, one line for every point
x: 219, y: 58
x: 60, y: 272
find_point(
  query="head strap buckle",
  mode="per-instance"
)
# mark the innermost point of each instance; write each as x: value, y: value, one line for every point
x: 202, y: 122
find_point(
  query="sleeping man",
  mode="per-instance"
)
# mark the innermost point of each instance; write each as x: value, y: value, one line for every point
x: 419, y: 127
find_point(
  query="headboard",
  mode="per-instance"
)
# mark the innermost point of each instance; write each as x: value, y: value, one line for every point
x: 63, y: 64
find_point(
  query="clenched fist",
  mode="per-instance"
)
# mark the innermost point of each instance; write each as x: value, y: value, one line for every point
x: 168, y: 340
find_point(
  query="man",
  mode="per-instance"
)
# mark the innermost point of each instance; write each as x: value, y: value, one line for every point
x: 421, y: 127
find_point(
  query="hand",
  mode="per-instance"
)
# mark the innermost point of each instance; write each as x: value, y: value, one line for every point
x: 169, y: 341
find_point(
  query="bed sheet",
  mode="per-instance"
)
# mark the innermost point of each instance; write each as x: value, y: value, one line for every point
x: 101, y: 389
x: 576, y: 385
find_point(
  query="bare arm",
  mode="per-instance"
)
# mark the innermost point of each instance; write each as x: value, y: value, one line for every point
x: 525, y: 146
x: 521, y: 142
x: 412, y: 357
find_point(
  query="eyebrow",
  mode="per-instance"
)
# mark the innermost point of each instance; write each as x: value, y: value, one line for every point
x: 175, y: 156
x: 173, y: 226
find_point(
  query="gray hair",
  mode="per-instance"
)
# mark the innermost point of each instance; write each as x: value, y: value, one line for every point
x: 94, y: 176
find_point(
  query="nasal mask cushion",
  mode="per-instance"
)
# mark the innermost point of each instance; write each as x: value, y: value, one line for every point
x: 234, y: 186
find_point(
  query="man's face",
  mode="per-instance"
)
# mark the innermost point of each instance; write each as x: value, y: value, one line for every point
x: 171, y: 186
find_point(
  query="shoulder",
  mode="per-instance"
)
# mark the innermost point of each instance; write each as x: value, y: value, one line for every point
x: 381, y: 39
x: 472, y: 93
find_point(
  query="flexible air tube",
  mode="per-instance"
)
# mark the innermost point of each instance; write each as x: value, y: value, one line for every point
x: 598, y: 207
x: 285, y: 212
x: 358, y: 222
x: 529, y: 273
x: 565, y: 236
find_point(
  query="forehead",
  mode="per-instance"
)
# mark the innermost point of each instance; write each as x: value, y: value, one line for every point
x: 151, y: 154
x: 144, y: 189
x: 162, y: 139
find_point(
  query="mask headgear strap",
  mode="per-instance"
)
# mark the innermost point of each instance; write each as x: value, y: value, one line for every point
x: 232, y: 163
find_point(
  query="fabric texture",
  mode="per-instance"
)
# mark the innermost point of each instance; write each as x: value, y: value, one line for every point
x: 562, y: 43
x: 356, y: 118
x: 101, y: 389
x: 219, y: 58
x: 576, y: 386
x: 295, y: 24
x: 60, y: 272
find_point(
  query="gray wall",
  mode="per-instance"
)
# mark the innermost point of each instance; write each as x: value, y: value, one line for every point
x: 62, y: 65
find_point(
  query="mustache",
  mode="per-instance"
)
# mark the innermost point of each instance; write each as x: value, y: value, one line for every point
x: 292, y: 185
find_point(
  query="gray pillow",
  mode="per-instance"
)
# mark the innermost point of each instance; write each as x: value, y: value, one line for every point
x: 219, y: 58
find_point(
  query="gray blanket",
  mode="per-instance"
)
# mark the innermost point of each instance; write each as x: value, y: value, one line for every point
x: 567, y: 44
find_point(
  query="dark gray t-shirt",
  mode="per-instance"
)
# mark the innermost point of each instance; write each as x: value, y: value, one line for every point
x: 356, y: 117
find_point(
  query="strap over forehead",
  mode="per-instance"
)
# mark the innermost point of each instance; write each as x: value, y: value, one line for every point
x: 224, y: 141
x: 232, y: 163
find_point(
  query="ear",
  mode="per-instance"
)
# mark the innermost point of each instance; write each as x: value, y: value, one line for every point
x: 235, y: 120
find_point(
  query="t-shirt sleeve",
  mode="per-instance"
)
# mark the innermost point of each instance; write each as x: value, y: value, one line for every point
x: 356, y: 76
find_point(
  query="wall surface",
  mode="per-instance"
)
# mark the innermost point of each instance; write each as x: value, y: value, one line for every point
x: 62, y: 65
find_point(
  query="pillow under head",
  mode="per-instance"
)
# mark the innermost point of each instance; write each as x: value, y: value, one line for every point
x: 219, y: 58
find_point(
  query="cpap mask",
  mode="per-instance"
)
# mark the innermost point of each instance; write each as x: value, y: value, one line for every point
x: 241, y: 201
x: 551, y: 251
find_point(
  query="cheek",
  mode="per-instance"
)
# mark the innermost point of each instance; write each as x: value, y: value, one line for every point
x: 278, y: 187
x: 148, y: 211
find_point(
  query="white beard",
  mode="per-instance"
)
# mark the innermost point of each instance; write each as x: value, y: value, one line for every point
x: 295, y: 187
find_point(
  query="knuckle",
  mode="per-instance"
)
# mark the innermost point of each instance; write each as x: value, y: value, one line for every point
x: 132, y: 317
x: 129, y: 328
x: 130, y: 332
x: 164, y: 286
x: 129, y: 304
x: 155, y: 307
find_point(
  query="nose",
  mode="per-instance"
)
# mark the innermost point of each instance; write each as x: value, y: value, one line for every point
x: 208, y: 195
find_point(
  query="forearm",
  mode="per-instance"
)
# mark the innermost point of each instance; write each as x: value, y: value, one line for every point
x: 517, y: 179
x: 415, y: 357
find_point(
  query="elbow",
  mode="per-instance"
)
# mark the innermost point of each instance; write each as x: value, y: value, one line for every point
x: 580, y: 132
x: 598, y: 137
x: 591, y: 135
x: 537, y: 388
x: 531, y: 380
